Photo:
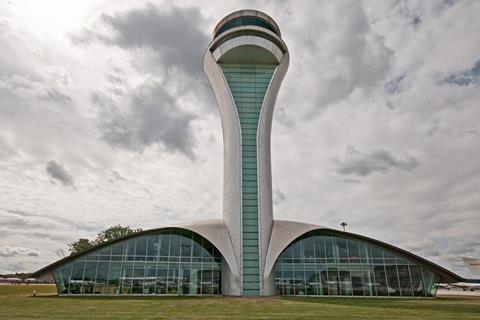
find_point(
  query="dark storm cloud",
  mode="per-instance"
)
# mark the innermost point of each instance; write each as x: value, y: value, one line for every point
x: 467, y: 77
x: 176, y: 35
x: 173, y: 40
x: 154, y: 117
x: 57, y: 172
x: 364, y: 164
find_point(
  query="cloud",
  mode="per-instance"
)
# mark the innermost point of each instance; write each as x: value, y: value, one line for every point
x: 465, y: 78
x: 44, y: 220
x: 116, y: 176
x: 24, y: 74
x: 342, y: 54
x: 10, y: 251
x: 56, y: 96
x: 37, y: 86
x: 167, y: 43
x: 360, y: 164
x: 349, y: 59
x: 21, y: 223
x: 152, y: 117
x: 394, y: 86
x: 16, y: 267
x: 175, y: 36
x: 57, y: 172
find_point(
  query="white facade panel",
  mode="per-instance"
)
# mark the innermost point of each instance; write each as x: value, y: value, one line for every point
x: 265, y: 207
x: 283, y: 233
x: 232, y: 178
x: 216, y: 232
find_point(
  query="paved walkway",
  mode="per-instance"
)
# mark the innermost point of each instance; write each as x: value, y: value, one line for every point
x: 457, y: 292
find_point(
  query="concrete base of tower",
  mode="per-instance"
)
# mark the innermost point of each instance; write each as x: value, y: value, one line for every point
x: 230, y: 282
x: 268, y: 289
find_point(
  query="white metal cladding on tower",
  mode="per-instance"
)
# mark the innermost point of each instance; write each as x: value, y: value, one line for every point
x: 245, y: 63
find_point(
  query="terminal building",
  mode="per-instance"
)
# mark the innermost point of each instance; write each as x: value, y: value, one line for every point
x: 247, y: 253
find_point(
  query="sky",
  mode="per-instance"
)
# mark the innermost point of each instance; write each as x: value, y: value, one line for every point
x: 107, y: 117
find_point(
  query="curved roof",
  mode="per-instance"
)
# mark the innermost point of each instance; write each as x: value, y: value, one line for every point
x: 247, y: 13
x: 286, y: 232
x: 212, y: 230
x: 283, y: 234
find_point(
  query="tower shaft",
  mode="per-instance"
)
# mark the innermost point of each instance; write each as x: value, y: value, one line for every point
x: 246, y: 63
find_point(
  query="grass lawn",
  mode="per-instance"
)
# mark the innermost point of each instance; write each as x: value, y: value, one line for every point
x: 16, y: 302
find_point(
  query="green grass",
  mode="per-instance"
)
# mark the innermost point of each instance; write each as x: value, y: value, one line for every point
x: 16, y: 302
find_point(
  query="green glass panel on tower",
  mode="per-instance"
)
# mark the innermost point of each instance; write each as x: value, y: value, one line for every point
x: 248, y: 84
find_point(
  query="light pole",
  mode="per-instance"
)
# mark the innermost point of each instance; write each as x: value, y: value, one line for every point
x: 343, y: 224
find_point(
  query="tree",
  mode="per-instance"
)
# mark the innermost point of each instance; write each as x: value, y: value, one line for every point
x: 114, y: 233
x: 60, y: 252
x: 104, y: 236
x: 79, y: 245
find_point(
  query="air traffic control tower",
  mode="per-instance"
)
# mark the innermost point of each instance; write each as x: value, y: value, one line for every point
x: 245, y: 63
x: 247, y: 253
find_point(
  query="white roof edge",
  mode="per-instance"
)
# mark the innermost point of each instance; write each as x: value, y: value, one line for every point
x: 283, y: 233
x: 215, y: 231
x: 192, y: 223
x: 248, y: 28
x: 248, y: 40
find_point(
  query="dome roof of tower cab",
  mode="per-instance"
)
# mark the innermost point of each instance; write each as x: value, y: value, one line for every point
x: 246, y: 18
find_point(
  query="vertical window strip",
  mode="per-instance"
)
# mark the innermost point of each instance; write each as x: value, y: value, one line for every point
x: 248, y: 84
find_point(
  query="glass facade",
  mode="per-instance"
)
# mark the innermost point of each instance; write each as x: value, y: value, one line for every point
x: 248, y: 84
x: 245, y: 21
x: 323, y: 264
x: 169, y: 262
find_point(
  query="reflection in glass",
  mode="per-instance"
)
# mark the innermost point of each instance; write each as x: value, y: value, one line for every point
x: 170, y: 262
x: 319, y: 263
